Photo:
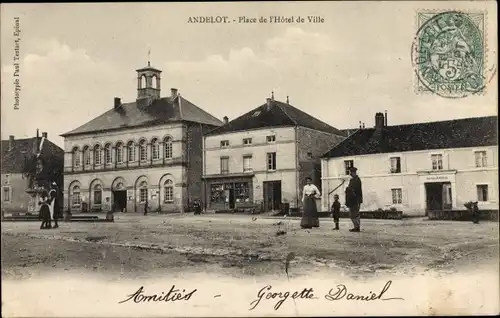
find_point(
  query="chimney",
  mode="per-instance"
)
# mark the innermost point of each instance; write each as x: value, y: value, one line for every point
x: 44, y: 134
x: 379, y: 120
x: 118, y: 102
x: 37, y: 142
x: 360, y: 125
x: 173, y: 94
x: 385, y: 119
x: 11, y: 142
x: 363, y: 125
x: 287, y: 100
x: 226, y: 120
x: 268, y: 103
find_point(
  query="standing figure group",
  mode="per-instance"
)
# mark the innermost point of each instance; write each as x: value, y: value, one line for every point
x: 353, y: 201
x: 49, y: 208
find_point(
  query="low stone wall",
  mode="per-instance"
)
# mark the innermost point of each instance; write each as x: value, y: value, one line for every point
x: 463, y: 215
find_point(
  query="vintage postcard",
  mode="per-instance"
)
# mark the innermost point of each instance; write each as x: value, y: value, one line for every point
x: 249, y: 159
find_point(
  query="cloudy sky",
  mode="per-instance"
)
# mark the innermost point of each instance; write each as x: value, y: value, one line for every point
x: 75, y: 58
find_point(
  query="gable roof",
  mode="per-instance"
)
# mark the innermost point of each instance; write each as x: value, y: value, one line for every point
x: 278, y: 115
x: 134, y: 114
x: 459, y: 133
x: 13, y: 159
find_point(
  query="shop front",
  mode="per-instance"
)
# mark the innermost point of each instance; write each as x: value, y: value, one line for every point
x: 229, y: 193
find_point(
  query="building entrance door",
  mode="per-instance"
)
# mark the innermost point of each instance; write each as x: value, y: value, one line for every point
x: 438, y: 196
x: 120, y: 200
x: 272, y: 195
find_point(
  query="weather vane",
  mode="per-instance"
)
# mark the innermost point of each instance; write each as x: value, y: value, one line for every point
x: 149, y: 56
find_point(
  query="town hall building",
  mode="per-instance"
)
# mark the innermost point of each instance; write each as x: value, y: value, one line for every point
x: 148, y: 151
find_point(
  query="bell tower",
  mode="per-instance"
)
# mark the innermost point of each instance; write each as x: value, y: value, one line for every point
x: 148, y: 82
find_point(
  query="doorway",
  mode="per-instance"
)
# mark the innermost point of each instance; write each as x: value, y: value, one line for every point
x: 119, y: 200
x: 231, y: 199
x: 272, y: 195
x: 438, y: 196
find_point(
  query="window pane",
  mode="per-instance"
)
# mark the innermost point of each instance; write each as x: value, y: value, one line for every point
x: 271, y: 161
x: 169, y: 191
x: 348, y: 164
x: 131, y: 152
x: 242, y: 192
x: 155, y: 149
x: 482, y: 193
x: 224, y: 165
x: 168, y: 148
x: 6, y: 194
x: 247, y: 164
x: 119, y: 153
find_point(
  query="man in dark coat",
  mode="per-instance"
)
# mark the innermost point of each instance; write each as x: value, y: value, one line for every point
x: 354, y: 198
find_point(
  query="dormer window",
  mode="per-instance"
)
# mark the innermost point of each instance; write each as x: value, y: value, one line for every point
x: 257, y: 113
x: 224, y: 143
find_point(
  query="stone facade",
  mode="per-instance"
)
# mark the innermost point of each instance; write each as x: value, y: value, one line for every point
x: 14, y: 196
x: 408, y: 190
x: 296, y: 150
x: 172, y: 160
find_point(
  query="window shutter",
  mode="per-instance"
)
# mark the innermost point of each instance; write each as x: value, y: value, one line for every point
x: 446, y: 161
x: 490, y: 158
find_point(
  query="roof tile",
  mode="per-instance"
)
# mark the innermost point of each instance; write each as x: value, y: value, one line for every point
x: 459, y: 133
x: 136, y: 114
x: 278, y: 115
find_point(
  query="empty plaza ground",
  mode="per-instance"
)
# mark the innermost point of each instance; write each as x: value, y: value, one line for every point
x: 238, y: 245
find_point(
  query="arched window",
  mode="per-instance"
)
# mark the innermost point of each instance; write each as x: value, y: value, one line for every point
x: 119, y: 152
x: 86, y: 156
x: 143, y: 150
x: 107, y: 154
x: 168, y: 147
x: 143, y: 192
x: 75, y: 157
x: 97, y: 155
x: 76, y: 199
x: 143, y: 81
x: 155, y: 149
x: 169, y: 191
x: 131, y: 151
x: 154, y: 81
x: 97, y: 194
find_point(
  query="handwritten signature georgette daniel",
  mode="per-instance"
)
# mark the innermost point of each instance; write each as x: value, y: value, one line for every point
x: 340, y: 293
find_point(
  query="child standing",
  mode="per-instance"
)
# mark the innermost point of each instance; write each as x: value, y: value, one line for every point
x: 336, y: 211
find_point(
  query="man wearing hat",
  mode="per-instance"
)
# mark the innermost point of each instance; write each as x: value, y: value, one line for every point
x: 354, y: 198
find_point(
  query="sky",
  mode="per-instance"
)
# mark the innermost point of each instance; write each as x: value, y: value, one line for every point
x: 75, y: 58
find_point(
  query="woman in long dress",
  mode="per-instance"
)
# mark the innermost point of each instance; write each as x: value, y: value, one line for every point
x: 310, y: 214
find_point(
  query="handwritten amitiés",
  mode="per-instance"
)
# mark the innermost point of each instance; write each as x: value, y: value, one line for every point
x: 342, y: 293
x: 264, y: 293
x: 173, y: 295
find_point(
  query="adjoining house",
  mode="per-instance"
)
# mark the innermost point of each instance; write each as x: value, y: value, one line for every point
x: 15, y: 184
x: 261, y: 159
x: 145, y: 151
x: 417, y: 168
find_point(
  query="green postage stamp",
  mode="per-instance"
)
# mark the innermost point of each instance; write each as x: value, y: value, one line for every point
x: 449, y: 53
